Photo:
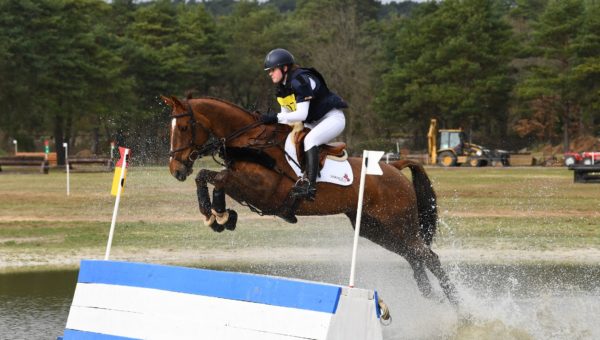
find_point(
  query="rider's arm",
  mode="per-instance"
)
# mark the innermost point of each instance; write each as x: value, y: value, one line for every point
x: 295, y: 116
x: 284, y: 110
x: 302, y: 105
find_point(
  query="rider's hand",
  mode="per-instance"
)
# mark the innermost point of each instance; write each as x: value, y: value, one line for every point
x: 269, y: 118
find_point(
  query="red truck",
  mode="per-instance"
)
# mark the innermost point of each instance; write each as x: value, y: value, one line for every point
x: 586, y: 158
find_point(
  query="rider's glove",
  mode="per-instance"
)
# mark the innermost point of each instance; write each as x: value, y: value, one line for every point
x: 269, y: 118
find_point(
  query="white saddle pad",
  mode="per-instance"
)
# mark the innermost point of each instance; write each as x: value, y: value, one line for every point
x: 336, y: 172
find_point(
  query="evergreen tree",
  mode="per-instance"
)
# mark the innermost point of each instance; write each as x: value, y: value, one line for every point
x: 61, y: 65
x: 549, y: 87
x: 249, y: 33
x: 170, y: 48
x: 84, y: 69
x: 449, y: 61
x: 587, y: 72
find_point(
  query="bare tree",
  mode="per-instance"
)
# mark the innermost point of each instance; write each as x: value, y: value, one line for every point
x: 341, y: 53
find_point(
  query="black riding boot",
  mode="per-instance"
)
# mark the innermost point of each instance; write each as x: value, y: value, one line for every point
x: 308, y: 188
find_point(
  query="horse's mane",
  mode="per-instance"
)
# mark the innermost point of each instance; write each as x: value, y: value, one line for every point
x: 255, y: 115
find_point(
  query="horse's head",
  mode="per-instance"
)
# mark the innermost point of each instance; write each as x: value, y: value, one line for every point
x: 185, y: 138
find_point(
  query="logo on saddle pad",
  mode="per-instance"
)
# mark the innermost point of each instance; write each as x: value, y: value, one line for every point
x: 344, y: 178
x: 333, y: 171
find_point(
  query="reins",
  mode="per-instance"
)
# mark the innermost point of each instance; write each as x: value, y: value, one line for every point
x: 210, y: 148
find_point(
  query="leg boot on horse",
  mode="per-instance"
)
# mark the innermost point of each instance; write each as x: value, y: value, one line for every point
x: 307, y: 189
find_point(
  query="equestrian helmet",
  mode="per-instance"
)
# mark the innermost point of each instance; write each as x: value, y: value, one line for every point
x: 278, y: 57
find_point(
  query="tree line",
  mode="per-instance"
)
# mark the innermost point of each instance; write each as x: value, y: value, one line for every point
x: 513, y: 73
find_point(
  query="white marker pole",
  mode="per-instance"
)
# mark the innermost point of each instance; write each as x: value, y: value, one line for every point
x: 15, y: 143
x: 115, y: 211
x: 66, y: 146
x: 369, y: 166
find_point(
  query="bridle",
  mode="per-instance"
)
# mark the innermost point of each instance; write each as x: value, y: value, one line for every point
x: 192, y: 143
x: 210, y: 148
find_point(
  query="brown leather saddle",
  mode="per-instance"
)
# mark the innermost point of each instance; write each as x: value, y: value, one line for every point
x: 334, y: 150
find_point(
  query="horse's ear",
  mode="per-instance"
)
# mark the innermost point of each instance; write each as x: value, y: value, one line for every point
x: 167, y: 101
x: 176, y: 102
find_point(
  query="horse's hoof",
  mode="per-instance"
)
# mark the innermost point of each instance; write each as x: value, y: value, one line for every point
x: 217, y: 227
x: 289, y: 218
x: 221, y: 218
x: 232, y: 221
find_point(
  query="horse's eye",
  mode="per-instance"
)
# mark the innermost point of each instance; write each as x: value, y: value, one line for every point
x: 183, y: 128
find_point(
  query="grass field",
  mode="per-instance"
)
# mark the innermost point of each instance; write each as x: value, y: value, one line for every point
x: 486, y: 214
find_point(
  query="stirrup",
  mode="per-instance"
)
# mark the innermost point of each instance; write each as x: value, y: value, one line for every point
x: 303, y: 190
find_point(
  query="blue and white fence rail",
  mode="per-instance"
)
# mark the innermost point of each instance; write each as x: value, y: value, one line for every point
x: 123, y: 300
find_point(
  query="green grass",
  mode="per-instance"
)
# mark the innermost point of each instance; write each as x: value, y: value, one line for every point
x: 536, y: 209
x: 538, y: 192
x: 520, y: 208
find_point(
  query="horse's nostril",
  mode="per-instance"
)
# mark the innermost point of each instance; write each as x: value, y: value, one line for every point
x: 180, y: 176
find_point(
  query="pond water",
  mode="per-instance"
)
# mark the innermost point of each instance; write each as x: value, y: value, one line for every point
x: 499, y: 301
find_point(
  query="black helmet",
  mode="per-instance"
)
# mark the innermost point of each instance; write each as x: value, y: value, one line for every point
x: 278, y: 57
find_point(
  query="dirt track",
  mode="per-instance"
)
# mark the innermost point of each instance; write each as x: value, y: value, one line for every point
x: 368, y: 252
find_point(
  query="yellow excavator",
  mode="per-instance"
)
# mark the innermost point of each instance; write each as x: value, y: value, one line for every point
x: 454, y: 150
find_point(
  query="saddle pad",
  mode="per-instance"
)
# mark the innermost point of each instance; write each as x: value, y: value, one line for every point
x: 335, y: 172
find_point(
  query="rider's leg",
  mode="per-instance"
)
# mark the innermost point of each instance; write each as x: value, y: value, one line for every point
x: 329, y: 127
x: 325, y: 130
x: 307, y: 188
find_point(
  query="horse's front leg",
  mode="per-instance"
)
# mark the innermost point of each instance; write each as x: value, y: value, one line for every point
x: 215, y: 214
x: 205, y: 176
x: 225, y: 218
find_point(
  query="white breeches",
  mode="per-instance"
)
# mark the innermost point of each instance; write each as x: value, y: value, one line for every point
x: 325, y: 130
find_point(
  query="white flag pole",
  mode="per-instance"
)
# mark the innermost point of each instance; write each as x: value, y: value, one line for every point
x: 66, y: 146
x: 361, y: 189
x: 370, y: 166
x: 115, y: 211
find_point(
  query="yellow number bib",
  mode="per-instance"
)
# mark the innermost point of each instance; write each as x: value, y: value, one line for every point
x: 288, y: 102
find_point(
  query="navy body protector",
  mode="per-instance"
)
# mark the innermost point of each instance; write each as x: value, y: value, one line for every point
x: 298, y: 90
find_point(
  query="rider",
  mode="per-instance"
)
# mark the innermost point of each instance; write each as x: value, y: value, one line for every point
x: 304, y: 97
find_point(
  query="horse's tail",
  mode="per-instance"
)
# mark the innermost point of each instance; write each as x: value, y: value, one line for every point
x: 426, y: 198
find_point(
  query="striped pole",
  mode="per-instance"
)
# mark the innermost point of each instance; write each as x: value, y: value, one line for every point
x: 117, y: 201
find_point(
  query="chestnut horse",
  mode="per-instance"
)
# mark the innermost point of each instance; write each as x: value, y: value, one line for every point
x: 398, y: 214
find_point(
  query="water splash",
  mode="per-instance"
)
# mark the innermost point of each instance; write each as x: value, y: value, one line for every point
x: 505, y: 302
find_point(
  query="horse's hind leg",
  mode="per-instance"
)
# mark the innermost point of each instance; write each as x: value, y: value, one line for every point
x: 424, y: 257
x: 379, y: 233
x: 433, y: 263
x: 419, y: 274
